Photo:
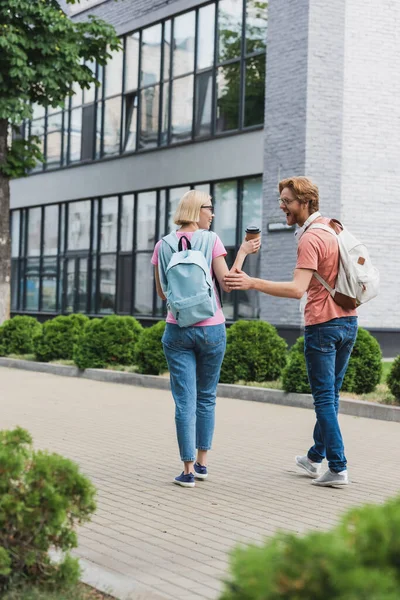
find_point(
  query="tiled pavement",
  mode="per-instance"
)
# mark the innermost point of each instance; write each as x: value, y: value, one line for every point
x: 174, y: 542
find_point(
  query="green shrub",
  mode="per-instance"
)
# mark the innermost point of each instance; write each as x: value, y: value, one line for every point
x: 255, y: 352
x: 18, y: 335
x: 365, y: 366
x: 150, y: 357
x: 106, y: 341
x: 43, y: 497
x: 58, y: 337
x: 358, y: 560
x: 393, y: 379
x: 294, y: 375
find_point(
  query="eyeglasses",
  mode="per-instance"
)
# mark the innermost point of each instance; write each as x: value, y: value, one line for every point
x: 285, y: 201
x: 210, y: 207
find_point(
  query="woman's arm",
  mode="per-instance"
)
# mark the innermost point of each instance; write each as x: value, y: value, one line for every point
x: 220, y: 267
x: 159, y: 290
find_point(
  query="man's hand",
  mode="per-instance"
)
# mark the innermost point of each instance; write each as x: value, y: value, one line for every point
x: 238, y: 280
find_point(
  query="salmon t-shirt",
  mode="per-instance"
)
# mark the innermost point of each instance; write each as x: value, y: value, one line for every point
x: 218, y: 250
x: 319, y: 250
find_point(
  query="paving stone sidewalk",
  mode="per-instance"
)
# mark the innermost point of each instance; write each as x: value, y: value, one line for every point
x: 172, y: 542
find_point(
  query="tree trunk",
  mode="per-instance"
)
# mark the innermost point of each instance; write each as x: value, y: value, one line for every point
x: 5, y: 249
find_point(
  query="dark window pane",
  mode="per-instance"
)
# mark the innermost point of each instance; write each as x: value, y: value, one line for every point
x: 113, y: 74
x: 88, y: 131
x: 205, y: 37
x: 14, y: 284
x: 49, y: 284
x: 255, y: 91
x: 146, y: 221
x: 230, y: 29
x: 167, y: 49
x: 165, y: 114
x: 15, y: 226
x: 127, y: 223
x: 61, y: 284
x: 151, y: 55
x: 112, y: 126
x: 95, y: 221
x: 132, y: 62
x: 225, y: 201
x: 228, y: 90
x: 50, y: 242
x: 125, y: 279
x: 131, y: 107
x: 228, y: 299
x: 149, y: 104
x: 62, y: 228
x: 79, y: 225
x: 184, y: 32
x: 75, y: 135
x: 93, y: 306
x: 70, y: 286
x: 182, y: 109
x: 82, y: 291
x: 256, y: 25
x: 144, y: 277
x: 249, y: 300
x: 107, y: 284
x: 203, y: 104
x: 32, y: 284
x: 251, y: 203
x: 109, y: 224
x: 34, y: 225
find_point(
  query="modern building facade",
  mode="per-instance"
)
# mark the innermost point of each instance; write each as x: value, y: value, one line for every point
x: 227, y: 96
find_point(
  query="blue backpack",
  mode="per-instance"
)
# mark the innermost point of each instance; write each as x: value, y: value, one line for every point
x: 186, y: 278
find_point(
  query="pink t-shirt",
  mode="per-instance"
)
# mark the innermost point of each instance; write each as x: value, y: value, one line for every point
x: 218, y: 250
x: 318, y: 250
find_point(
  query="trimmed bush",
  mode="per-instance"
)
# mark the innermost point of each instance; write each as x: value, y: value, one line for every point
x: 18, y: 335
x: 393, y: 379
x: 255, y: 352
x: 110, y: 340
x: 358, y: 560
x: 150, y: 357
x: 58, y: 337
x: 43, y: 498
x: 294, y: 375
x: 365, y: 366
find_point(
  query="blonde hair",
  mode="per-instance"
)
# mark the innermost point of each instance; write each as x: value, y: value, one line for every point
x: 305, y: 191
x: 188, y: 209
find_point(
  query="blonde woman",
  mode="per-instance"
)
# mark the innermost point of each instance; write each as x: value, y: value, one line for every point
x: 195, y: 353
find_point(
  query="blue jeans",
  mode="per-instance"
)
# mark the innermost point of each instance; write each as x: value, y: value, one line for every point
x: 327, y: 348
x: 194, y: 356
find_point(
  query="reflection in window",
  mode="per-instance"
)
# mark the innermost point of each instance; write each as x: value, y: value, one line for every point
x: 34, y: 226
x: 127, y: 223
x: 251, y: 203
x: 125, y: 280
x: 109, y: 224
x: 230, y: 29
x: 249, y: 300
x: 14, y: 284
x: 167, y: 49
x: 255, y: 90
x: 161, y: 213
x: 165, y: 115
x: 146, y: 221
x: 205, y: 37
x: 32, y: 284
x: 150, y: 98
x: 184, y: 32
x: 131, y: 108
x: 151, y: 55
x: 88, y: 131
x: 79, y: 225
x: 228, y: 299
x: 182, y: 109
x: 203, y: 104
x: 50, y: 241
x: 75, y: 135
x: 54, y: 140
x: 132, y: 62
x: 144, y: 284
x: 256, y: 26
x: 112, y: 126
x: 175, y: 194
x: 225, y: 201
x: 107, y: 284
x: 228, y: 94
x: 49, y: 284
x: 15, y: 225
x: 81, y: 299
x: 113, y: 74
x: 99, y: 124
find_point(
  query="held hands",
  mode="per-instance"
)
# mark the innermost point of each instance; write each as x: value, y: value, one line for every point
x: 237, y: 279
x: 252, y: 246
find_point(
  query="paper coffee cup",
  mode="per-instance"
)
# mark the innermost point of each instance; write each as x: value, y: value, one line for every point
x: 252, y: 232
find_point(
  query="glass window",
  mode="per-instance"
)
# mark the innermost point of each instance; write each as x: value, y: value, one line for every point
x: 149, y: 103
x: 53, y: 149
x: 161, y: 213
x: 50, y: 242
x: 49, y: 284
x: 184, y: 32
x: 228, y: 90
x: 14, y: 284
x: 125, y: 280
x: 127, y: 223
x: 203, y: 187
x: 175, y: 194
x: 249, y: 300
x: 32, y: 284
x: 79, y: 225
x: 62, y: 228
x: 81, y: 295
x: 95, y: 223
x: 113, y: 74
x: 15, y: 226
x: 182, y: 109
x: 251, y: 203
x: 229, y: 29
x: 88, y: 131
x: 203, y: 117
x: 90, y: 94
x: 132, y: 62
x: 70, y: 291
x: 38, y: 111
x: 75, y: 135
x: 107, y: 284
x: 144, y: 274
x: 228, y: 299
x: 225, y: 202
x: 167, y: 49
x: 255, y: 90
x: 34, y: 228
x: 77, y: 96
x: 131, y: 108
x: 109, y: 224
x: 256, y: 25
x: 151, y: 55
x: 99, y: 119
x: 165, y: 115
x: 37, y: 128
x: 93, y: 307
x: 146, y: 221
x: 112, y: 126
x: 205, y: 37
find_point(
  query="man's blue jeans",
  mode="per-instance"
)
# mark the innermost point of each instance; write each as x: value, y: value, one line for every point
x: 194, y: 356
x: 327, y: 348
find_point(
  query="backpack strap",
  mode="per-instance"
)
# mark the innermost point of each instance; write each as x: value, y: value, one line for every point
x: 316, y: 275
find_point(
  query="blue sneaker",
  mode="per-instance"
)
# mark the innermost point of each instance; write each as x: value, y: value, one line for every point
x: 185, y: 480
x: 200, y: 472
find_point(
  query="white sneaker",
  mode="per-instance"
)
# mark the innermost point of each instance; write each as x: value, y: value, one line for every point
x: 311, y: 468
x: 332, y: 479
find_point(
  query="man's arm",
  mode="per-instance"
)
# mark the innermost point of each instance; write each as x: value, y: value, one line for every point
x: 284, y: 289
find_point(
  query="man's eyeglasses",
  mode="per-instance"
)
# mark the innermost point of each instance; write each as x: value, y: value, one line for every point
x: 210, y: 207
x: 285, y: 201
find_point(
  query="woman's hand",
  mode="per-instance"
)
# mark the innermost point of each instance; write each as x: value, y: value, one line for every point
x: 252, y: 246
